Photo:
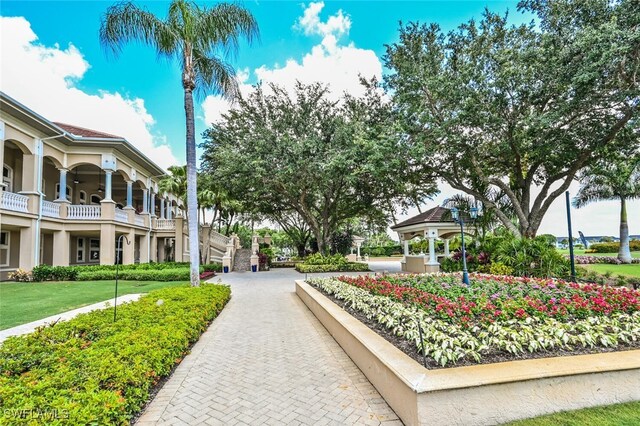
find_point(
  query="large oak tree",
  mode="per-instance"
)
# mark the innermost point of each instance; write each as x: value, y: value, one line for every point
x: 304, y: 154
x: 519, y: 110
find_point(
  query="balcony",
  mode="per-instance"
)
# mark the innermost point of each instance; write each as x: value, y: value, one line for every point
x: 50, y: 209
x: 121, y: 216
x: 166, y: 224
x: 15, y: 202
x: 83, y: 212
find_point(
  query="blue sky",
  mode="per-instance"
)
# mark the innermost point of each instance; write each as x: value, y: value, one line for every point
x: 53, y: 63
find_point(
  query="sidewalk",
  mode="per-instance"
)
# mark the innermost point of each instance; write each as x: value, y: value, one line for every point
x: 31, y: 326
x: 267, y: 360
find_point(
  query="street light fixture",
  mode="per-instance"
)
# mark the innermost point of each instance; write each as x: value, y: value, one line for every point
x: 457, y: 218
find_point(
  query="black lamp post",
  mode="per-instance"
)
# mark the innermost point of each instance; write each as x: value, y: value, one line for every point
x: 457, y: 217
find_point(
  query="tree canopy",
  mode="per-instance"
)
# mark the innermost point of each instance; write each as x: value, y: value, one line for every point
x: 517, y: 111
x: 308, y: 156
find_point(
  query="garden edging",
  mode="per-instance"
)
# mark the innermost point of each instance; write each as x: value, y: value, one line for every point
x: 481, y: 394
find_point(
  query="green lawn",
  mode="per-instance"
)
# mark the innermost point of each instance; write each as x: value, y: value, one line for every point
x: 611, y: 415
x: 25, y: 302
x: 627, y: 270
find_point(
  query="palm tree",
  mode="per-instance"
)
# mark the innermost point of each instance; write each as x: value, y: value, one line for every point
x: 175, y: 182
x: 614, y: 180
x: 199, y: 39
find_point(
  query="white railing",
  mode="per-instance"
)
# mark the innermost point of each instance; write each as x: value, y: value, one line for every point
x: 139, y: 220
x: 219, y: 241
x: 83, y: 212
x: 121, y: 215
x: 15, y: 202
x: 169, y: 224
x: 50, y: 209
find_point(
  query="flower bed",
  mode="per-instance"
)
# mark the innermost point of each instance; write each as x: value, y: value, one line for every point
x: 496, y: 317
x: 590, y: 260
x: 343, y: 267
x: 90, y: 370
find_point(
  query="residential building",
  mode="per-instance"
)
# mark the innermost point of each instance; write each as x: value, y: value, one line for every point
x: 68, y: 194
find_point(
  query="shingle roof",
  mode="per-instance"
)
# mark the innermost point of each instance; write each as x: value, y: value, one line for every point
x: 84, y: 132
x: 430, y: 216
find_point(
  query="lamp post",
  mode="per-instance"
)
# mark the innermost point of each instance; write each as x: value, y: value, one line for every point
x: 457, y: 217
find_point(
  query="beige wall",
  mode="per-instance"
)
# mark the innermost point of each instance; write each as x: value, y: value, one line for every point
x: 73, y: 249
x: 13, y: 158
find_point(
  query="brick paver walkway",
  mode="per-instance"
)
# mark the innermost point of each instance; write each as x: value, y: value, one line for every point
x: 267, y: 360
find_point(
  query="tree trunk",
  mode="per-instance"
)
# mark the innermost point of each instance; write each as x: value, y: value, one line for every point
x: 301, y: 249
x: 192, y: 190
x: 624, y: 253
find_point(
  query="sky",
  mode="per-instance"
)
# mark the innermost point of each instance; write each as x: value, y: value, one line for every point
x: 52, y: 62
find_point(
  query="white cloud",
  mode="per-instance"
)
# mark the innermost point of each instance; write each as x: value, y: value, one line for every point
x: 331, y: 62
x: 44, y: 79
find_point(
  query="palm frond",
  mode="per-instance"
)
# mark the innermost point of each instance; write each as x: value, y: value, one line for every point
x: 125, y: 22
x: 222, y: 26
x: 214, y: 76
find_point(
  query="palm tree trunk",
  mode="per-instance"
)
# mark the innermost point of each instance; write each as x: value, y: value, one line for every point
x: 624, y: 253
x: 192, y: 190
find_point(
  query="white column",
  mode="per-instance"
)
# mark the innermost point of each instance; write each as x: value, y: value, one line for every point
x: 358, y: 250
x: 432, y: 252
x: 129, y: 193
x: 446, y: 247
x: 107, y: 184
x: 161, y: 208
x: 406, y: 247
x: 169, y: 212
x: 153, y: 203
x: 145, y: 201
x: 62, y: 196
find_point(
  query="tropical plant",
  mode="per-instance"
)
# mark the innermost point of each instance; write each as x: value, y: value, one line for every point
x: 175, y: 182
x: 612, y: 180
x: 199, y: 39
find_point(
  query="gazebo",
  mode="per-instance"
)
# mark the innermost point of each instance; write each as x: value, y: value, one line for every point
x: 432, y: 224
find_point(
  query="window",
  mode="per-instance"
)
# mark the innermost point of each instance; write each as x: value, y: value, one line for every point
x: 80, y: 250
x: 95, y: 199
x: 82, y: 198
x: 58, y: 192
x: 7, y: 178
x: 4, y: 248
x: 94, y: 250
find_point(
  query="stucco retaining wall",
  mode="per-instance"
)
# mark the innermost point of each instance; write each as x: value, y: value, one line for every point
x: 477, y: 395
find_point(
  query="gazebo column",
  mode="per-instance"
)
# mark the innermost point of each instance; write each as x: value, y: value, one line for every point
x: 446, y: 247
x: 406, y: 247
x: 432, y: 252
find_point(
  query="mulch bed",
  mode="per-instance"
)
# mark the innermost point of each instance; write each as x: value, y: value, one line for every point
x: 410, y: 349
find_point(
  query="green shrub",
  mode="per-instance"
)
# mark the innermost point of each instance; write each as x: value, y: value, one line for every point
x: 499, y: 268
x: 140, y: 275
x: 634, y: 245
x: 211, y: 267
x: 94, y: 371
x: 319, y: 259
x: 345, y: 267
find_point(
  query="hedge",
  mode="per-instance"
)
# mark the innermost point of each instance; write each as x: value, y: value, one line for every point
x: 90, y: 370
x: 634, y: 245
x: 345, y: 267
x: 170, y: 271
x: 385, y: 251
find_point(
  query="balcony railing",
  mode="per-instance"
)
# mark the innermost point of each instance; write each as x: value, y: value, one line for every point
x: 50, y: 209
x: 121, y: 215
x: 169, y: 224
x: 80, y: 212
x: 139, y: 220
x: 15, y: 202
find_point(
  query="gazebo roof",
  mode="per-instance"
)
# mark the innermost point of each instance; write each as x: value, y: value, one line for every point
x: 433, y: 215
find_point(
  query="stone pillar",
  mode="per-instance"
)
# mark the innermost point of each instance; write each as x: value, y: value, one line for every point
x: 61, y: 248
x: 406, y: 247
x: 162, y: 210
x: 107, y: 243
x: 153, y: 203
x: 129, y: 194
x: 144, y: 248
x: 161, y: 249
x: 179, y: 236
x: 107, y: 184
x: 446, y: 247
x: 154, y: 248
x: 145, y: 201
x: 169, y: 215
x: 29, y: 173
x: 128, y: 250
x: 62, y: 195
x: 255, y: 263
x: 432, y: 252
x: 108, y: 211
x: 29, y: 253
